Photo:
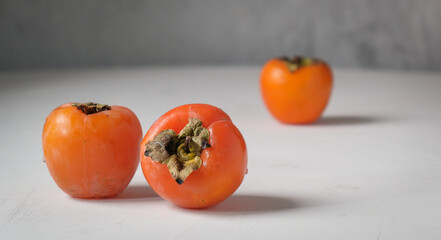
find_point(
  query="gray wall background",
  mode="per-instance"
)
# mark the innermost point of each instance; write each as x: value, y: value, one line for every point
x: 391, y: 34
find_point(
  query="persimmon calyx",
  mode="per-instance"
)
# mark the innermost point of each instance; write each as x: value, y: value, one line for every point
x: 180, y: 152
x: 297, y: 62
x: 91, y: 107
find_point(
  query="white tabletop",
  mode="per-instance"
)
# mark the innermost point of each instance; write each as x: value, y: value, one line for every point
x: 369, y: 169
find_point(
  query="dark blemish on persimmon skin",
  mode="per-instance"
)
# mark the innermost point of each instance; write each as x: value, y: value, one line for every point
x: 179, y: 181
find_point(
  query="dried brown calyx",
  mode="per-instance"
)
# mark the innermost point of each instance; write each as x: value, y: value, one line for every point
x: 297, y: 62
x: 91, y: 108
x: 180, y: 152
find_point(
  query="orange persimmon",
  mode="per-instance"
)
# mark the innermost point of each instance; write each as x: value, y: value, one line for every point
x: 91, y: 150
x: 194, y: 156
x: 296, y: 90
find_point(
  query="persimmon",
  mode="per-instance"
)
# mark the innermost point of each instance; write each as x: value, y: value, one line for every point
x: 296, y: 90
x: 194, y: 156
x: 90, y: 149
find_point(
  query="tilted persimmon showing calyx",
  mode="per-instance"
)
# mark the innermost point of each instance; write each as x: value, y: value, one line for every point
x: 194, y: 156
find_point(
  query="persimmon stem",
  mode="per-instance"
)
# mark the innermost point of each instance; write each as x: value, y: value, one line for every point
x: 297, y: 62
x: 180, y: 152
x: 91, y: 107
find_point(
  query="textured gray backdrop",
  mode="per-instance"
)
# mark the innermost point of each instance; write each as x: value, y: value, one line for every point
x: 394, y: 34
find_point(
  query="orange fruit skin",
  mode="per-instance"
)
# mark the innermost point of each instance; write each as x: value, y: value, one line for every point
x: 91, y: 156
x: 224, y: 164
x: 298, y: 97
